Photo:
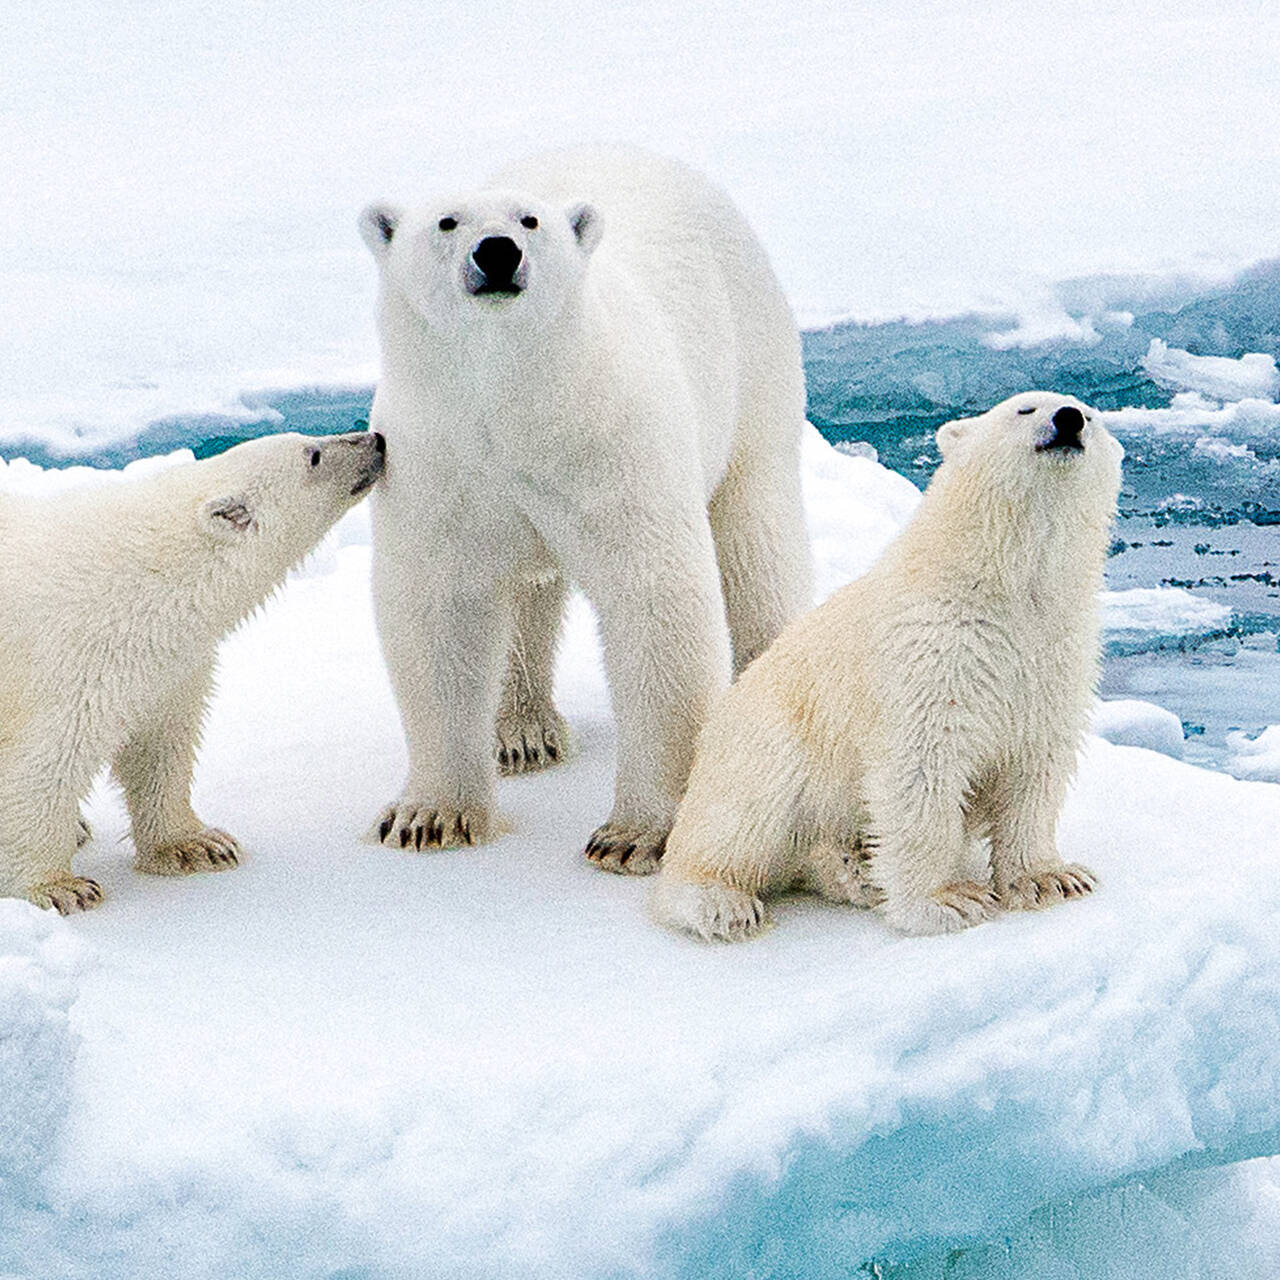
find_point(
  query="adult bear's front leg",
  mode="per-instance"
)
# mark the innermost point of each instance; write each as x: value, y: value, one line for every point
x: 446, y: 654
x: 655, y: 585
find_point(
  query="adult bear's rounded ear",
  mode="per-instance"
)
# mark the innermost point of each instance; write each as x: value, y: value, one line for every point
x: 228, y: 519
x: 587, y: 226
x: 378, y: 223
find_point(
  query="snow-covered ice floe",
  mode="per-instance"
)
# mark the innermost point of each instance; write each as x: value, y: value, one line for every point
x: 341, y: 1061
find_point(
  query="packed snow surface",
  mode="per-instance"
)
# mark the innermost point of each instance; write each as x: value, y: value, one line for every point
x: 345, y: 1062
x: 1131, y: 722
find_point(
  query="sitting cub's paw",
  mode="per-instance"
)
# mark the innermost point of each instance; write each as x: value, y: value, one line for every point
x: 946, y: 910
x: 626, y: 850
x: 1039, y: 889
x: 410, y: 826
x: 66, y: 893
x: 207, y: 850
x: 713, y: 912
x: 530, y: 741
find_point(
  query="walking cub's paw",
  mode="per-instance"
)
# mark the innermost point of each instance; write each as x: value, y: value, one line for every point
x: 66, y: 893
x: 207, y: 850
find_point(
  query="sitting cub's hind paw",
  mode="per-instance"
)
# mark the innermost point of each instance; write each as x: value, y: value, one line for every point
x: 529, y: 742
x: 66, y: 893
x: 626, y: 851
x: 1039, y: 889
x: 411, y: 826
x: 208, y: 850
x: 713, y: 912
x: 949, y: 909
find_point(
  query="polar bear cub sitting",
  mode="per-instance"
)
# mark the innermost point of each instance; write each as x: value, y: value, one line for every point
x: 112, y: 603
x: 935, y: 702
x: 589, y: 374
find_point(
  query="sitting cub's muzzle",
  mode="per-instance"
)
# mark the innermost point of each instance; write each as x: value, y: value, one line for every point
x: 1067, y: 425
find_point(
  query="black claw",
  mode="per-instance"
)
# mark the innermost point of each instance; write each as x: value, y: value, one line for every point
x: 404, y: 837
x: 625, y: 856
x: 384, y: 829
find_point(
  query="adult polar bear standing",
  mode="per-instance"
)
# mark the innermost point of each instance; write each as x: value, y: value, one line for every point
x: 112, y: 601
x: 938, y: 699
x: 589, y: 373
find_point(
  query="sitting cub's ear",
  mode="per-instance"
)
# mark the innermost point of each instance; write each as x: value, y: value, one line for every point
x: 587, y: 225
x: 949, y: 436
x: 378, y: 225
x: 228, y: 518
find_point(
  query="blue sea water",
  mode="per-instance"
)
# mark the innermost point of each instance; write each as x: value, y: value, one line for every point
x: 1201, y: 502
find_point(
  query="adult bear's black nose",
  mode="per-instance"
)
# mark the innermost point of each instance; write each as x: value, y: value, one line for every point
x: 1068, y: 423
x: 496, y: 258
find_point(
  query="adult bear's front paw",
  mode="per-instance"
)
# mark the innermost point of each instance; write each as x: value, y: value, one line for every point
x: 406, y: 825
x: 65, y: 893
x: 627, y: 850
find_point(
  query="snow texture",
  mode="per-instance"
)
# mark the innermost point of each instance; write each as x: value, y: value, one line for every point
x: 344, y: 1062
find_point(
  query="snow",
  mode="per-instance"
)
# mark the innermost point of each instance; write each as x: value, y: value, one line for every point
x: 1131, y: 722
x: 1252, y: 377
x: 342, y: 1061
x: 1255, y: 757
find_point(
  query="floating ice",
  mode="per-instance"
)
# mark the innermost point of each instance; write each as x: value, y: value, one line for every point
x: 1146, y: 618
x: 1130, y: 722
x: 1252, y: 377
x: 1255, y: 757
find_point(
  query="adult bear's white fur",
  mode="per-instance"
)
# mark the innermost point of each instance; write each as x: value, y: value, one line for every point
x: 112, y: 602
x: 939, y: 699
x: 626, y: 414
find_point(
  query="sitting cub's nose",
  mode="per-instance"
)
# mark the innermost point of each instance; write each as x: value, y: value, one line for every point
x: 496, y: 258
x: 1068, y: 423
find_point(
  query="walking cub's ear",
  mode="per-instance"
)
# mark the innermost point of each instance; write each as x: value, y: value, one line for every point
x: 228, y: 519
x: 378, y: 223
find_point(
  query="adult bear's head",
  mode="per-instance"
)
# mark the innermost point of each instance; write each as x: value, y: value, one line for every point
x: 483, y: 260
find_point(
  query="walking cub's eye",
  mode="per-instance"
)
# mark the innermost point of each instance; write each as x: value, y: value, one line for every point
x: 1029, y: 408
x: 529, y: 222
x: 447, y: 223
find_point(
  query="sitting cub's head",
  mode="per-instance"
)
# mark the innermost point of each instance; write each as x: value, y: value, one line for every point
x: 494, y: 257
x: 1039, y: 450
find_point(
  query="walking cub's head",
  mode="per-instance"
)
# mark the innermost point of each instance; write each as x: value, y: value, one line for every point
x: 263, y: 505
x: 1044, y: 453
x: 488, y: 259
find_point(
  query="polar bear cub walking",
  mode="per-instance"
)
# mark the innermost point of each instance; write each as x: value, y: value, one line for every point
x: 937, y: 700
x: 112, y: 603
x: 589, y: 373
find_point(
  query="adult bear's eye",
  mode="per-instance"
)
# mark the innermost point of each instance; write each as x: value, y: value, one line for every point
x: 315, y: 457
x: 529, y: 222
x: 1030, y: 408
x: 447, y: 224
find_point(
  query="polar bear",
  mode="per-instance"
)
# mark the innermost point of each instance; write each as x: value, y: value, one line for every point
x: 589, y: 373
x: 925, y: 720
x: 112, y: 602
